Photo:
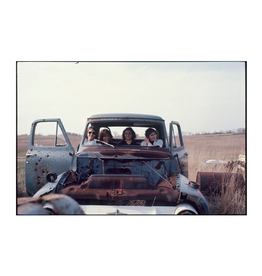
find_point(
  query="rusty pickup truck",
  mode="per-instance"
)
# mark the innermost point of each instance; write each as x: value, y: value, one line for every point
x: 113, y: 178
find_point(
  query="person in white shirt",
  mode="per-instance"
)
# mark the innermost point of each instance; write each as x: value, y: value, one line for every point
x: 151, y: 138
x: 91, y: 134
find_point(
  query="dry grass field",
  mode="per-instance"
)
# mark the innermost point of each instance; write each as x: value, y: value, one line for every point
x: 226, y: 147
x: 200, y: 148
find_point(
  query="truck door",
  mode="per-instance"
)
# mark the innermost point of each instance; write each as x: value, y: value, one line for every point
x: 177, y: 149
x: 49, y: 150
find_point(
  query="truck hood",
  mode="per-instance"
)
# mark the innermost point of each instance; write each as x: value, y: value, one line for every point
x: 118, y: 189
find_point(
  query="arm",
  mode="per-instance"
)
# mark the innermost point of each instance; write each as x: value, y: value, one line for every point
x: 143, y: 143
x: 146, y: 143
x: 159, y: 143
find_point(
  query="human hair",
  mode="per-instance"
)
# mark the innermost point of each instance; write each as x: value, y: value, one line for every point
x: 93, y: 128
x: 103, y: 133
x: 132, y: 131
x: 149, y: 131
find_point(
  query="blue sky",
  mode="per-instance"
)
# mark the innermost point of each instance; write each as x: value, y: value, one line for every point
x: 202, y: 96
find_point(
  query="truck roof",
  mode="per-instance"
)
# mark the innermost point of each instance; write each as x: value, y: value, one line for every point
x: 125, y: 116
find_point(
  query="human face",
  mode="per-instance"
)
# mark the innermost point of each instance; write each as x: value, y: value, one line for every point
x: 106, y: 138
x: 128, y: 135
x: 152, y: 137
x: 91, y: 134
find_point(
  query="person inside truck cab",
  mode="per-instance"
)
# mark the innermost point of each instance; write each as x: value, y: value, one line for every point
x: 106, y: 136
x: 151, y: 138
x: 91, y: 135
x: 128, y: 137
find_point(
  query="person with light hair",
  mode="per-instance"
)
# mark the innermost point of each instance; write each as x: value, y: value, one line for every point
x: 91, y: 135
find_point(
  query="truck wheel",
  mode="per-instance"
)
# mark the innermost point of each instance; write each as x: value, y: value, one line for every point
x: 185, y: 209
x: 186, y: 212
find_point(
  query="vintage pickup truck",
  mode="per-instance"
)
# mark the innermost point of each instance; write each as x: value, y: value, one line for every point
x: 106, y: 178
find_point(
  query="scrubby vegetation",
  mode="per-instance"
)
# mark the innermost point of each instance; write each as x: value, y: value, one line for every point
x: 225, y: 146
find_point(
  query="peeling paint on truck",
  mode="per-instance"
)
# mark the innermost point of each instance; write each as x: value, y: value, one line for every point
x: 112, y: 177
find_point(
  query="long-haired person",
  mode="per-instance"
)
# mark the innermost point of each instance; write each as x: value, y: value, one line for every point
x: 106, y: 136
x: 128, y: 137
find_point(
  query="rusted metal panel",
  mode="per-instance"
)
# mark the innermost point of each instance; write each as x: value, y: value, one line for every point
x: 132, y: 151
x: 44, y: 161
x: 52, y: 203
x: 153, y: 169
x: 41, y: 160
x: 119, y: 188
x: 119, y: 175
x: 211, y: 182
x: 31, y: 209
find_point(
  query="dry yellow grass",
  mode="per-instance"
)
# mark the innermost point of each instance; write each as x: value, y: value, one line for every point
x: 23, y: 140
x: 218, y: 146
x: 226, y: 147
x: 200, y: 148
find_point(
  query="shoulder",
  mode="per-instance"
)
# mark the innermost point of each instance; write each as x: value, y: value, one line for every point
x: 93, y: 142
x: 143, y: 143
x: 159, y: 142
